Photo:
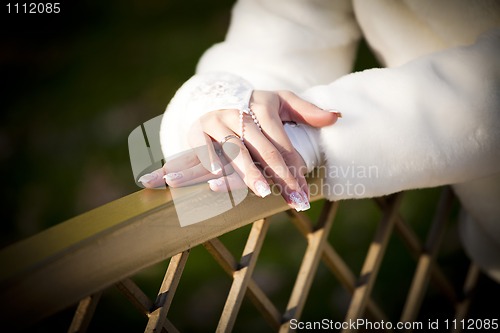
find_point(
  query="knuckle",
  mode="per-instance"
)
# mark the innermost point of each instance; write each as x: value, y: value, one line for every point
x: 271, y: 156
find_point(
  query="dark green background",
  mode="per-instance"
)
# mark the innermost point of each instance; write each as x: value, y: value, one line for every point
x: 73, y: 86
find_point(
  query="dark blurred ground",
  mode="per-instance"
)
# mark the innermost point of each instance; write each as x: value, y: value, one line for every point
x: 74, y: 86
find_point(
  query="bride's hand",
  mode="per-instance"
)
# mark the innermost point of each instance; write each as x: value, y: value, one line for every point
x: 265, y: 152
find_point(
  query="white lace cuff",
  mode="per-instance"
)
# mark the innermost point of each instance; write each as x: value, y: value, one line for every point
x: 217, y: 91
x: 199, y: 95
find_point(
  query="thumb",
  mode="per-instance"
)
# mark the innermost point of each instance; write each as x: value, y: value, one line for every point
x: 293, y: 108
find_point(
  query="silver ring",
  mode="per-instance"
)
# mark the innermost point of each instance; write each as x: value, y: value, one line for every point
x: 229, y: 137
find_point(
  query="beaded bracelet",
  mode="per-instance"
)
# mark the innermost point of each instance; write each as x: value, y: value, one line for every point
x: 249, y: 112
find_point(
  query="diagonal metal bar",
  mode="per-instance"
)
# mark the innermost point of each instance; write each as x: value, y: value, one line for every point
x: 462, y: 308
x: 221, y: 255
x: 141, y: 301
x: 335, y: 263
x: 348, y: 280
x: 411, y: 241
x: 309, y: 266
x: 243, y: 275
x: 135, y: 295
x: 226, y: 260
x: 264, y: 305
x: 373, y: 261
x: 427, y: 258
x: 84, y: 313
x: 166, y: 293
x: 169, y: 327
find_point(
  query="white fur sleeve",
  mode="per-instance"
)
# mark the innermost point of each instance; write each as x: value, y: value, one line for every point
x: 286, y: 44
x: 270, y: 45
x: 433, y: 121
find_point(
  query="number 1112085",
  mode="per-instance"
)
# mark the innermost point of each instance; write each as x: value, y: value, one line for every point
x: 34, y: 8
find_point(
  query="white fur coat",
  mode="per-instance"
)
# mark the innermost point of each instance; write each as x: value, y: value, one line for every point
x: 431, y: 117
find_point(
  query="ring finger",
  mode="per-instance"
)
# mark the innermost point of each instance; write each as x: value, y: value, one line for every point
x: 239, y: 157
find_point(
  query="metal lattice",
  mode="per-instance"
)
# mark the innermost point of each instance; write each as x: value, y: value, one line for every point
x: 318, y: 249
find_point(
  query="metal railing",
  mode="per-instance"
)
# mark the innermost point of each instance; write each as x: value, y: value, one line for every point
x: 75, y: 261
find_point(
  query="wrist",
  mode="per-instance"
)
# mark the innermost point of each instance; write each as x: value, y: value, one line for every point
x: 201, y: 94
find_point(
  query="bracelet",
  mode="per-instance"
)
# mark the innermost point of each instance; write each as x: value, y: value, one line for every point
x: 249, y: 112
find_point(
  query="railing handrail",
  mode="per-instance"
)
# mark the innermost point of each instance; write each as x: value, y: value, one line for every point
x: 58, y: 267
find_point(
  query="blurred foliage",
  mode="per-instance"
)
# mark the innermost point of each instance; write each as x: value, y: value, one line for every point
x: 73, y: 88
x: 73, y: 91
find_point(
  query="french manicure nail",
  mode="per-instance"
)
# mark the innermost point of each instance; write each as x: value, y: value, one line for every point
x: 147, y: 178
x: 215, y: 183
x: 305, y: 195
x: 173, y: 175
x: 338, y: 113
x: 262, y: 188
x: 299, y: 202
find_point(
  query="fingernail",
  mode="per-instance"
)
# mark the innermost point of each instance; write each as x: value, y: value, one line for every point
x: 299, y: 202
x: 173, y: 175
x: 305, y: 195
x: 147, y: 178
x: 337, y: 113
x: 215, y: 183
x: 262, y: 188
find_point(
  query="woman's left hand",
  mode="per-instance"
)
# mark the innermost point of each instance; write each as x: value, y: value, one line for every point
x: 266, y: 152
